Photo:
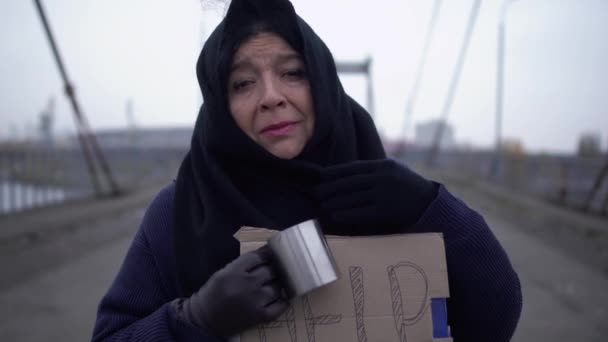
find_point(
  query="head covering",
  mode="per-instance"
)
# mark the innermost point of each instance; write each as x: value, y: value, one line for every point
x: 226, y: 180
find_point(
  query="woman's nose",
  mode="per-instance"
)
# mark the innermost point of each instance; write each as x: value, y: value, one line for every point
x: 272, y: 97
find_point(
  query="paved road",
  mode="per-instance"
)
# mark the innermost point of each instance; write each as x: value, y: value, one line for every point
x: 565, y: 300
x: 60, y: 304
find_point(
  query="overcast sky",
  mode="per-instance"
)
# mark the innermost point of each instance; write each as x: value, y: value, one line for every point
x: 146, y: 50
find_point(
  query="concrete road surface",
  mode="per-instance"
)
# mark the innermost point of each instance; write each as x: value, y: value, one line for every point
x: 564, y: 299
x: 60, y: 304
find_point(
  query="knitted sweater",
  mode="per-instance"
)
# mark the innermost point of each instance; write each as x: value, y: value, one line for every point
x: 485, y: 295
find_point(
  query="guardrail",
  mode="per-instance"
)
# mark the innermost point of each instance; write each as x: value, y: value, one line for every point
x: 564, y: 180
x: 33, y: 175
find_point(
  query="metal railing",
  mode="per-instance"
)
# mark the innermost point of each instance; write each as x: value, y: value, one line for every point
x: 564, y: 180
x: 33, y: 175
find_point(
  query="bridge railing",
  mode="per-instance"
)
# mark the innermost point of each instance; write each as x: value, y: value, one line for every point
x: 565, y: 180
x: 33, y: 175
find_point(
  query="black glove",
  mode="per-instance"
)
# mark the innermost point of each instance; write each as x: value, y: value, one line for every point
x: 373, y: 197
x: 244, y: 293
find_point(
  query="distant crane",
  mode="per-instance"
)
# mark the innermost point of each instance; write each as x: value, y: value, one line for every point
x: 45, y: 125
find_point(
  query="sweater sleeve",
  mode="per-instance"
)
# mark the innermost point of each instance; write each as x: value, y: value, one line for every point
x: 485, y: 293
x: 137, y: 307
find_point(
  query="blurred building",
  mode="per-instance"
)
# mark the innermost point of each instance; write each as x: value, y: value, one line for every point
x: 143, y: 138
x: 426, y: 131
x: 513, y: 146
x: 589, y: 145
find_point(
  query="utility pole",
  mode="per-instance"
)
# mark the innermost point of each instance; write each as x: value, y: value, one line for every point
x: 500, y: 66
x: 131, y: 125
x: 86, y: 137
x: 370, y: 87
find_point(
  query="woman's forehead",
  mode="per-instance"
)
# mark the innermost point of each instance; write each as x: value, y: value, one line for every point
x: 264, y: 46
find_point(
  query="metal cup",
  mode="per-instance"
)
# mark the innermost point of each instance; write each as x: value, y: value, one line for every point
x: 304, y: 258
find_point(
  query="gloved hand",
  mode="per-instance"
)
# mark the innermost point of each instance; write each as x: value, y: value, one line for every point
x: 244, y: 293
x: 373, y: 197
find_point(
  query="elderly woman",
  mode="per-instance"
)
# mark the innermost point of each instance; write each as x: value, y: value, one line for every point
x: 278, y: 142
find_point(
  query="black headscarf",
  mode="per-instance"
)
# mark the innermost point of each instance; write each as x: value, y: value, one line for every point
x: 227, y: 180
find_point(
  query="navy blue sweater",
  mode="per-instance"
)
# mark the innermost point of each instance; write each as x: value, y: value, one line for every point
x: 485, y: 295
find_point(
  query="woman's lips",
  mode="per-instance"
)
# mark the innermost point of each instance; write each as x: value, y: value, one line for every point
x: 279, y: 129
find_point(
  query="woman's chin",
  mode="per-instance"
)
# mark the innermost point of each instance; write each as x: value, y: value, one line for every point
x: 285, y: 150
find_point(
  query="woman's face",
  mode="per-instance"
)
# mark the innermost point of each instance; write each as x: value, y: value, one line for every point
x: 269, y: 95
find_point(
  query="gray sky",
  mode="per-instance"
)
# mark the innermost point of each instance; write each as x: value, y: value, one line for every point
x: 146, y: 50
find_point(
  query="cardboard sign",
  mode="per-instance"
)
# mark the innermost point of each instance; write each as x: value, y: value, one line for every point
x: 385, y: 291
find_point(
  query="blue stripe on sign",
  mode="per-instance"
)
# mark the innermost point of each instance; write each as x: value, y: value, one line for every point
x: 440, y: 318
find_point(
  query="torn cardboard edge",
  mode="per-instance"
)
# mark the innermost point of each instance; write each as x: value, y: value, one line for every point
x: 391, y: 288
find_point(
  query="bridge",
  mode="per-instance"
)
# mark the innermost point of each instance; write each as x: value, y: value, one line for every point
x: 66, y: 223
x: 58, y: 258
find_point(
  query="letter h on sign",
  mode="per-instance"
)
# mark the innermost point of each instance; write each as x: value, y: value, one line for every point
x: 357, y: 286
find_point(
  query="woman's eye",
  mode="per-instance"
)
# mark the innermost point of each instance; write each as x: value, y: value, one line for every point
x: 240, y: 85
x: 295, y: 74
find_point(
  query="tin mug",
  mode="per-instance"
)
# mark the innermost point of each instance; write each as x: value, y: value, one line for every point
x: 304, y: 258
